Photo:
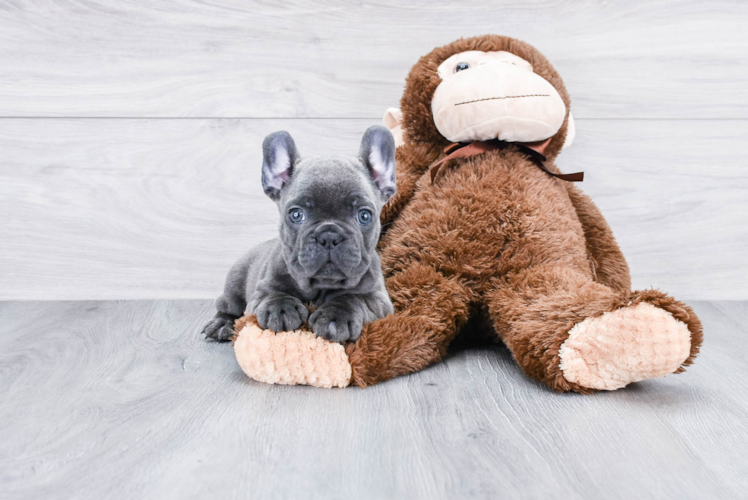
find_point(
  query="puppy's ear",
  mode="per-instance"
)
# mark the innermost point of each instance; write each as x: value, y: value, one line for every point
x: 378, y: 156
x: 279, y: 154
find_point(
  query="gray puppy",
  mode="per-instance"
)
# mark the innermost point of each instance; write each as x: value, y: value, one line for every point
x: 326, y: 252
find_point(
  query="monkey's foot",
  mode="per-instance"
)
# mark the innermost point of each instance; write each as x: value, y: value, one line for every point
x: 630, y: 344
x: 296, y: 357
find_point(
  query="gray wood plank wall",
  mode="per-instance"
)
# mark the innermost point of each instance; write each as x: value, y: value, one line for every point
x: 130, y: 131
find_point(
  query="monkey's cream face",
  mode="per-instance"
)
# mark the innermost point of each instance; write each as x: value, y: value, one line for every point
x: 495, y: 95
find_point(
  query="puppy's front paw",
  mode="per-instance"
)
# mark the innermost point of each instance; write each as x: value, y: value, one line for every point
x: 336, y: 323
x: 220, y: 328
x: 281, y: 314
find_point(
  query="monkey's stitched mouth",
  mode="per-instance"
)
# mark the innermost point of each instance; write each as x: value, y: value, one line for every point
x: 505, y: 97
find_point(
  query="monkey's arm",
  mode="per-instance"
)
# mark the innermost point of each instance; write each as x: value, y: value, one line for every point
x: 430, y: 308
x: 609, y: 265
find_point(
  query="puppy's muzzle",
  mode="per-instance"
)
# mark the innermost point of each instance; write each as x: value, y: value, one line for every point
x: 328, y: 236
x: 328, y: 252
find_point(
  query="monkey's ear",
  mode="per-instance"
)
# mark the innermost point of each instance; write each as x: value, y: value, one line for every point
x: 571, y: 132
x: 279, y: 154
x: 378, y: 156
x: 393, y: 120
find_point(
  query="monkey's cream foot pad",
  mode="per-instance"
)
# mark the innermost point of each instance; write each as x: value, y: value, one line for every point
x: 297, y: 357
x: 631, y: 344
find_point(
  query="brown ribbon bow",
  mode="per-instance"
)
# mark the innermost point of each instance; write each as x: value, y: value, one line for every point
x: 457, y: 150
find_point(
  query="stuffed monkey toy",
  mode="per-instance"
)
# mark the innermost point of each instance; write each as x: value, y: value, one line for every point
x: 486, y: 238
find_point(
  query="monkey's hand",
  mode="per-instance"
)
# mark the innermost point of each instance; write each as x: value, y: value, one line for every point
x: 297, y: 357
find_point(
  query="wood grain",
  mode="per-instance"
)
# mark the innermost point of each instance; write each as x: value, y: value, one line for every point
x: 112, y: 209
x: 313, y: 58
x: 125, y: 400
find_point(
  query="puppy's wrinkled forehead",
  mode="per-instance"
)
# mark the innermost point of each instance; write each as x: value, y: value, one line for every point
x: 330, y: 184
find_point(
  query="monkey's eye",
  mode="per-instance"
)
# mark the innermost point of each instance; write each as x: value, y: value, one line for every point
x: 296, y: 215
x: 461, y: 66
x: 365, y: 216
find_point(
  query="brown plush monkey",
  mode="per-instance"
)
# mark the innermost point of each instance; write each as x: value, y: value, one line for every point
x: 487, y: 242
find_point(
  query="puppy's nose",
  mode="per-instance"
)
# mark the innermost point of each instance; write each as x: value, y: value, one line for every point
x: 328, y: 237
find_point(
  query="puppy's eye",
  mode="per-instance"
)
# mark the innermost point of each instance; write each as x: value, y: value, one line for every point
x: 296, y: 215
x: 365, y: 216
x: 461, y: 66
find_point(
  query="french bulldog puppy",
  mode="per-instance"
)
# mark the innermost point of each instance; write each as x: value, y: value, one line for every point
x: 326, y: 253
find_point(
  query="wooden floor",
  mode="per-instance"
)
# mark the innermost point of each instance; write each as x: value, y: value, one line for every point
x: 124, y: 399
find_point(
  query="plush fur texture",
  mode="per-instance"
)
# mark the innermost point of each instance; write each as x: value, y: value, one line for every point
x: 495, y: 242
x: 623, y: 346
x: 290, y: 358
x: 498, y: 250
